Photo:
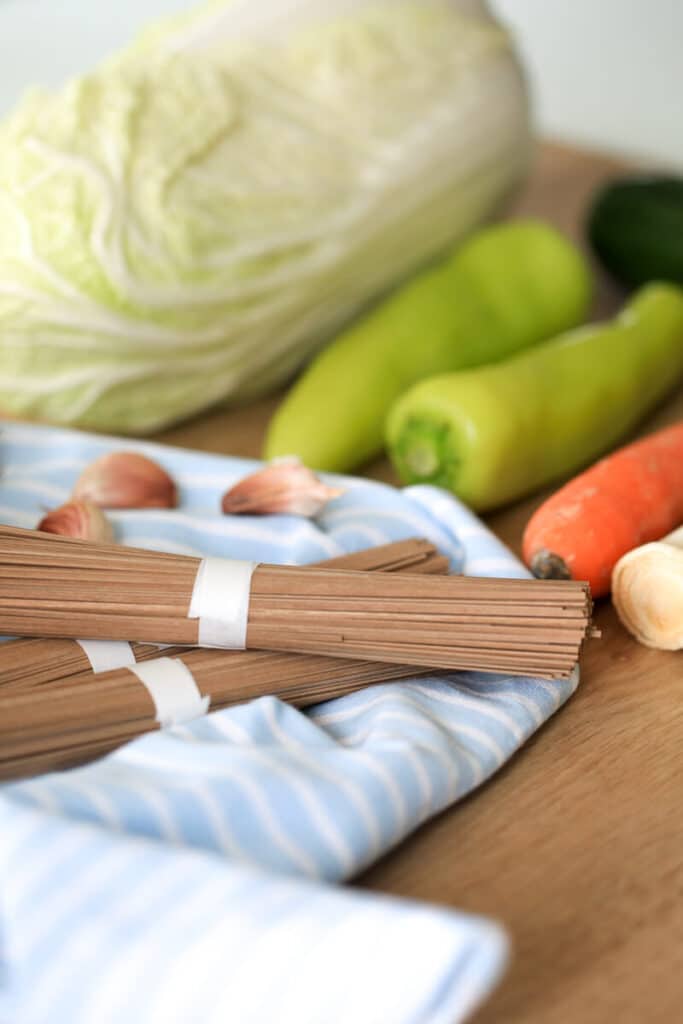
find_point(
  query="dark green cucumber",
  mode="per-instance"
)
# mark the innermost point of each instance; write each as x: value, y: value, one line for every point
x: 635, y: 227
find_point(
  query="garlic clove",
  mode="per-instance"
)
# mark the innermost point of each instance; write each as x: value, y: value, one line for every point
x: 126, y: 480
x: 79, y: 519
x: 284, y: 487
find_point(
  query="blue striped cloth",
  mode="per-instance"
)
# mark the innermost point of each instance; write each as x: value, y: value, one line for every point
x: 186, y: 877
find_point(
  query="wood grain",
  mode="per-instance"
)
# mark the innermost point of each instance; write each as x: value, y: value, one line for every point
x: 577, y: 846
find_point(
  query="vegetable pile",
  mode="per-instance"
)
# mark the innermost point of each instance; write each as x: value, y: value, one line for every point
x: 499, y: 432
x: 479, y: 379
x: 249, y: 188
x: 190, y: 222
x: 509, y: 287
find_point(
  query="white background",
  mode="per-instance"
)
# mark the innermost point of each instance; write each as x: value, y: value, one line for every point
x: 608, y: 73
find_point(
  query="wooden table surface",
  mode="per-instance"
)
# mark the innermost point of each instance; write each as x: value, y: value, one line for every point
x: 577, y: 845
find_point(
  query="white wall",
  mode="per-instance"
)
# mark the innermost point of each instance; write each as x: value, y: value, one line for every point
x: 43, y: 42
x: 607, y: 73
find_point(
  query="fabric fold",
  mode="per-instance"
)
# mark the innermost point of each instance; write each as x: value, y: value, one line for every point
x: 187, y: 875
x: 166, y: 935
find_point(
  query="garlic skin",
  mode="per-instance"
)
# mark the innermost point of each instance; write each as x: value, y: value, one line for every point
x: 81, y: 519
x: 126, y: 480
x: 284, y: 487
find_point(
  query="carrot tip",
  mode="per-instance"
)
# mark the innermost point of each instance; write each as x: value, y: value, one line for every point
x: 546, y: 565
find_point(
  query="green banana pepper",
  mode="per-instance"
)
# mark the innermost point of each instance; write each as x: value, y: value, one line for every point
x: 494, y: 434
x: 510, y: 286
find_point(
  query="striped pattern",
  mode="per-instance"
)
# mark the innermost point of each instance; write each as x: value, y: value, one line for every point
x: 191, y: 863
x: 147, y: 933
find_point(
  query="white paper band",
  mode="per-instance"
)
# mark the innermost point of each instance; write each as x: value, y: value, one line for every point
x: 220, y: 600
x: 171, y: 686
x: 106, y: 655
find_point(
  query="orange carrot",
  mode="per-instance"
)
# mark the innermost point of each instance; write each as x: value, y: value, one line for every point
x: 629, y: 498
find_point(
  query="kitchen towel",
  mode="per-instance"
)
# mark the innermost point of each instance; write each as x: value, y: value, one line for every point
x: 186, y: 877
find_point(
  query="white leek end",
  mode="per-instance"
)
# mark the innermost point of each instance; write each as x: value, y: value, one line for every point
x: 647, y: 590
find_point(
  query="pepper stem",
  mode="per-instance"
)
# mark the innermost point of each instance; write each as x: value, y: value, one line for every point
x: 422, y: 458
